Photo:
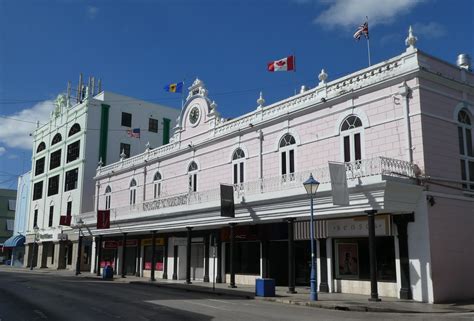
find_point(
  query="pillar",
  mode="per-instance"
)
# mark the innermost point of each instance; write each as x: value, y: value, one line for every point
x: 175, y: 262
x: 153, y: 255
x: 402, y: 225
x: 99, y: 253
x: 165, y: 258
x: 232, y: 256
x: 374, y: 295
x: 188, y: 255
x: 79, y: 251
x: 323, y: 286
x: 291, y: 256
x: 265, y: 259
x: 137, y: 264
x: 206, y: 258
x: 218, y: 276
x: 124, y: 250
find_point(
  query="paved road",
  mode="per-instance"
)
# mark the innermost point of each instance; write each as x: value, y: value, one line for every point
x: 29, y: 297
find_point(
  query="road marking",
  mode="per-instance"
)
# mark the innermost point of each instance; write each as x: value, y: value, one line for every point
x: 208, y: 306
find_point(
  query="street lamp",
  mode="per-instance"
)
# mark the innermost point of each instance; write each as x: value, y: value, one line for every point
x: 36, y: 230
x: 79, y: 224
x: 311, y: 185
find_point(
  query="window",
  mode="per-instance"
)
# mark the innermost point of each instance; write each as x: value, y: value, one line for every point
x: 192, y: 174
x: 55, y: 159
x: 70, y: 181
x: 56, y: 139
x: 466, y: 149
x: 125, y: 148
x: 157, y: 185
x: 35, y: 218
x: 69, y: 208
x: 108, y: 197
x: 51, y: 213
x: 53, y: 185
x: 37, y: 191
x: 287, y: 154
x: 126, y: 119
x: 153, y: 125
x: 238, y: 166
x: 74, y: 129
x: 73, y: 151
x: 133, y: 192
x: 41, y: 147
x: 39, y: 167
x: 351, y: 129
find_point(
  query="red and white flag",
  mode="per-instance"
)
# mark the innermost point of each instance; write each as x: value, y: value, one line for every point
x: 362, y: 30
x: 285, y: 64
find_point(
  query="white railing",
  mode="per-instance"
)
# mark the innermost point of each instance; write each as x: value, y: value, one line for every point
x: 359, y: 169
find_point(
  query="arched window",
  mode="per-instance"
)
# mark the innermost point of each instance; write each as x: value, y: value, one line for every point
x: 287, y: 157
x: 351, y: 130
x: 466, y: 149
x: 133, y: 192
x: 41, y: 147
x: 238, y: 158
x: 56, y: 139
x: 157, y: 185
x: 108, y: 197
x: 192, y: 174
x: 74, y: 129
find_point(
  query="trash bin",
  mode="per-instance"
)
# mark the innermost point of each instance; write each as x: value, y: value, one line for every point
x: 265, y: 287
x: 108, y: 273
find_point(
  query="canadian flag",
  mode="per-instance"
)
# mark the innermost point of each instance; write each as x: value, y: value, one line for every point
x: 285, y: 64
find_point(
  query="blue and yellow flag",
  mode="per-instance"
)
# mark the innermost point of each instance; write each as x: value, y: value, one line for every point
x: 175, y: 88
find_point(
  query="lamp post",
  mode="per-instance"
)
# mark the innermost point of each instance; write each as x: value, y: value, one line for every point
x: 36, y: 230
x: 311, y: 185
x: 79, y: 224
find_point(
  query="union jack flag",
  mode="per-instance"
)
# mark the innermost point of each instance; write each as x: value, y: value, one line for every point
x: 135, y: 133
x: 362, y: 30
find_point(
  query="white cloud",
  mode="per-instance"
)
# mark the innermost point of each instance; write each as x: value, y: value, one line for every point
x: 92, y: 12
x: 2, y: 150
x: 430, y: 30
x: 15, y: 130
x: 352, y: 13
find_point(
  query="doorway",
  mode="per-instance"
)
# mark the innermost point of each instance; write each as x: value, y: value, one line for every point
x: 197, y: 261
x: 130, y: 260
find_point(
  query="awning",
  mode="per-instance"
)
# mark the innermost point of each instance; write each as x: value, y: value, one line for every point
x: 14, y: 241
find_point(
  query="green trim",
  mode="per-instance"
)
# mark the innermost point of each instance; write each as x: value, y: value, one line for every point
x: 104, y: 131
x: 166, y: 130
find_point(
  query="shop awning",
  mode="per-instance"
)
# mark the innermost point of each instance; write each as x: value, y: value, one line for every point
x: 14, y: 241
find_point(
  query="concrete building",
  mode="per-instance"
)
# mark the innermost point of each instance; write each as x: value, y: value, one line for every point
x: 403, y: 129
x: 94, y: 128
x: 7, y: 219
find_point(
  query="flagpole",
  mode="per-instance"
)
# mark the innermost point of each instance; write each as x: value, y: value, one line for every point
x: 368, y: 41
x: 294, y: 72
x: 182, y: 94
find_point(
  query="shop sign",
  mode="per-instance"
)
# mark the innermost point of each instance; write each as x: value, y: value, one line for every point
x: 158, y: 266
x: 110, y: 244
x: 358, y: 226
x: 227, y: 201
x: 45, y: 236
x: 103, y: 264
x: 158, y: 241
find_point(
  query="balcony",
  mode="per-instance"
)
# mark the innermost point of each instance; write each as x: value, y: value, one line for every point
x: 262, y: 188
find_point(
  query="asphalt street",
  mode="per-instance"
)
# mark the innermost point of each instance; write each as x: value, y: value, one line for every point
x: 26, y: 296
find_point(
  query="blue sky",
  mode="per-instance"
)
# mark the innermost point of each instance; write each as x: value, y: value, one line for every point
x: 137, y: 47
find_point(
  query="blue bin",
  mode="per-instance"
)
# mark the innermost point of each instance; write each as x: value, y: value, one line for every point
x: 265, y: 287
x: 108, y: 273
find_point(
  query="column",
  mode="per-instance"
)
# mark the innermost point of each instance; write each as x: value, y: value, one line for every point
x: 137, y: 264
x: 165, y: 258
x: 323, y: 286
x: 153, y: 254
x: 265, y: 260
x: 79, y: 250
x: 232, y: 255
x: 175, y: 262
x: 124, y: 250
x: 218, y: 257
x: 291, y: 256
x: 374, y: 295
x: 206, y: 258
x: 402, y: 225
x: 188, y: 255
x: 99, y: 254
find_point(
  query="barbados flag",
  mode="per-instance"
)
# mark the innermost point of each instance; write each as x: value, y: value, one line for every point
x: 175, y: 88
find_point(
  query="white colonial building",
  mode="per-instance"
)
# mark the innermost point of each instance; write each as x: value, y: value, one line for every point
x: 67, y: 149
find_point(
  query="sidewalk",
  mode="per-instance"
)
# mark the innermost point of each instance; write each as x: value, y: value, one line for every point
x: 335, y: 301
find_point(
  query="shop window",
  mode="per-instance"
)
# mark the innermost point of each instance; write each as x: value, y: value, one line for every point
x: 38, y: 190
x: 351, y: 130
x: 247, y: 258
x: 74, y: 129
x: 192, y: 176
x: 238, y: 158
x: 133, y: 192
x: 159, y: 254
x: 153, y: 125
x: 287, y: 156
x: 70, y: 181
x: 56, y: 139
x: 55, y: 159
x: 41, y: 147
x: 126, y: 119
x: 73, y: 151
x: 108, y: 197
x: 157, y: 185
x: 53, y: 185
x: 466, y: 149
x: 39, y: 166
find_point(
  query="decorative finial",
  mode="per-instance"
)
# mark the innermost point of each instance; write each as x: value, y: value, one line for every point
x: 260, y: 101
x: 147, y: 146
x: 303, y: 89
x: 410, y: 41
x: 213, y: 105
x: 100, y: 164
x: 123, y: 155
x: 322, y: 77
